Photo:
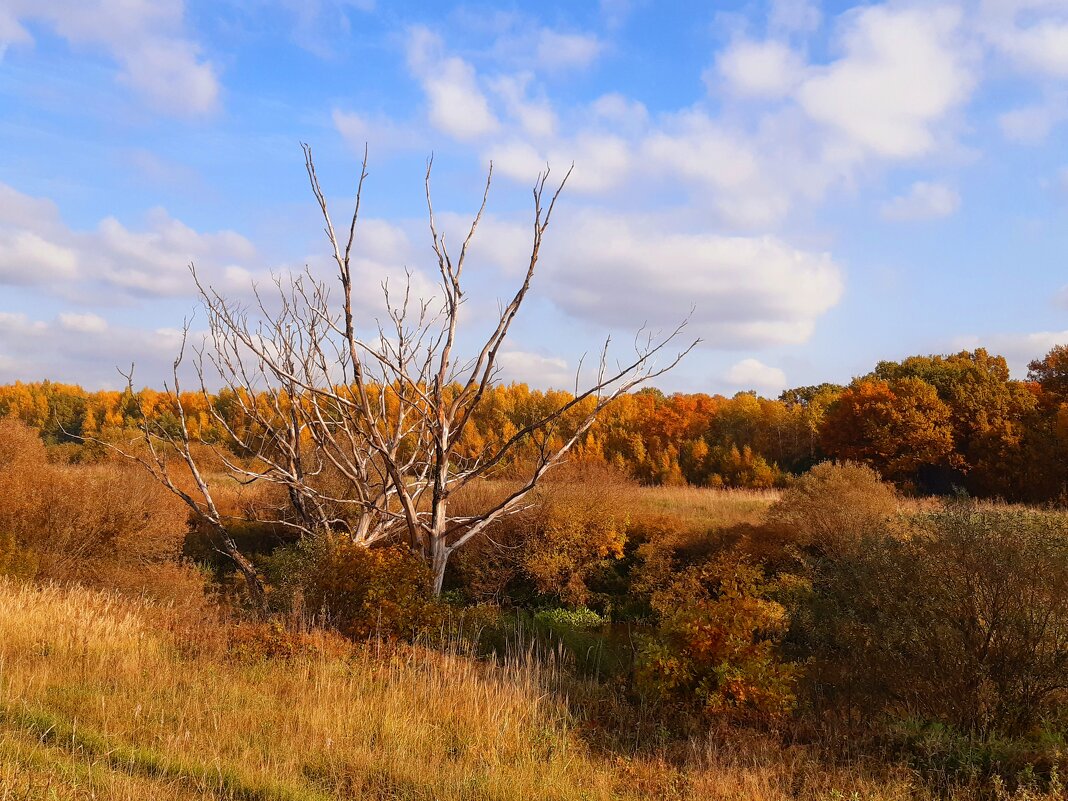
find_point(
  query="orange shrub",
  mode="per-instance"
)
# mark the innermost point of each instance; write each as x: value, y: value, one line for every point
x: 106, y: 524
x: 361, y: 592
x: 716, y: 647
x: 575, y: 526
x: 832, y: 507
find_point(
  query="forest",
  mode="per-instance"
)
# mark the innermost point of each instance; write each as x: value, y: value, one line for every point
x: 930, y: 424
x: 847, y: 592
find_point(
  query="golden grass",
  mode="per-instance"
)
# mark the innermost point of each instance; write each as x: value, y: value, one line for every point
x: 103, y: 697
x: 704, y: 508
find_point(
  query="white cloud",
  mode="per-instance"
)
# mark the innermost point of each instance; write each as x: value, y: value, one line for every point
x: 147, y: 40
x: 902, y: 72
x: 155, y: 260
x: 457, y: 105
x: 767, y: 70
x: 1031, y: 124
x: 602, y: 161
x: 28, y: 258
x: 556, y: 51
x: 381, y: 134
x: 924, y: 201
x: 751, y: 178
x: 1032, y: 34
x: 754, y: 374
x: 745, y: 291
x: 83, y: 348
x: 116, y: 262
x: 536, y: 117
x: 37, y: 248
x: 621, y: 111
x: 1018, y: 349
x: 83, y: 323
x: 794, y: 16
x: 543, y: 372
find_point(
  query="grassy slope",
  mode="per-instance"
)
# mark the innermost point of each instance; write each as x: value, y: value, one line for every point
x: 102, y: 697
x: 99, y: 699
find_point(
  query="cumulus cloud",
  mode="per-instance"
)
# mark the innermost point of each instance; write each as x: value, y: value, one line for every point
x: 457, y: 105
x: 83, y: 348
x: 744, y: 291
x: 766, y: 70
x: 923, y: 201
x: 157, y: 59
x: 602, y: 160
x: 83, y: 323
x: 1031, y: 124
x: 380, y: 133
x: 903, y: 70
x: 556, y: 50
x: 28, y: 258
x: 1032, y: 34
x: 115, y: 262
x: 1018, y: 349
x: 535, y: 116
x: 794, y: 16
x: 535, y: 369
x: 754, y: 374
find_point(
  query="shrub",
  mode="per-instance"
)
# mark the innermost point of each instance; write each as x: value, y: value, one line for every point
x: 361, y: 592
x: 832, y: 507
x: 963, y: 620
x: 716, y: 647
x: 575, y: 527
x: 105, y: 524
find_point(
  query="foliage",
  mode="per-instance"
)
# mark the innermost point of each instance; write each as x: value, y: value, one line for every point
x: 575, y: 526
x: 560, y: 618
x: 961, y: 620
x: 716, y: 647
x: 930, y: 423
x: 361, y: 592
x: 832, y: 507
x: 897, y: 427
x: 100, y: 523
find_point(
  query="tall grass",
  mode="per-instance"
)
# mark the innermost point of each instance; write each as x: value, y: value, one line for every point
x: 105, y: 697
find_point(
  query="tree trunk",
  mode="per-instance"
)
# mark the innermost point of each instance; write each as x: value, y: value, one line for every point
x: 439, y: 558
x: 247, y: 569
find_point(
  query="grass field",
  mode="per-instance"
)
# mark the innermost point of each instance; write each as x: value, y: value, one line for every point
x: 102, y: 697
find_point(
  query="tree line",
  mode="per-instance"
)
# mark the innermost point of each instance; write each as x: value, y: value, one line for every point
x: 931, y: 424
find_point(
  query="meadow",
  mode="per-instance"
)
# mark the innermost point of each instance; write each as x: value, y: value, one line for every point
x: 751, y: 644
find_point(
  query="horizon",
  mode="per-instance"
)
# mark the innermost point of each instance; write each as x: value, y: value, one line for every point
x: 824, y: 183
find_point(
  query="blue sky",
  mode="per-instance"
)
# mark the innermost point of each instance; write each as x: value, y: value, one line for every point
x: 825, y: 184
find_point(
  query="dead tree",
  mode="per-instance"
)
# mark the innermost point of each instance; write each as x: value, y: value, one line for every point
x: 382, y: 406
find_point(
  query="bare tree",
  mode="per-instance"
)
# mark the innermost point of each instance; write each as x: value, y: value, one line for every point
x: 363, y: 423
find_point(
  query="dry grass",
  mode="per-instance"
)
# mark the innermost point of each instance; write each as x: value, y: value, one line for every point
x: 101, y: 698
x: 705, y: 509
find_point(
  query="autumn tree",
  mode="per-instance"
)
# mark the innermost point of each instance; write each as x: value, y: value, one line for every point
x: 896, y: 427
x: 1051, y: 372
x: 382, y: 407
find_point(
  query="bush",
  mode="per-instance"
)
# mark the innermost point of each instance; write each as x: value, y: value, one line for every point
x: 832, y: 507
x: 716, y: 647
x: 575, y: 527
x: 962, y: 620
x: 361, y: 592
x: 108, y: 524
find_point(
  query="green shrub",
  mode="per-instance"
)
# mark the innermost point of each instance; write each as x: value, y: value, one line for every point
x: 962, y: 621
x: 580, y: 619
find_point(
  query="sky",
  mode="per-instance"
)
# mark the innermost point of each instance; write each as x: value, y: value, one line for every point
x: 815, y: 186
